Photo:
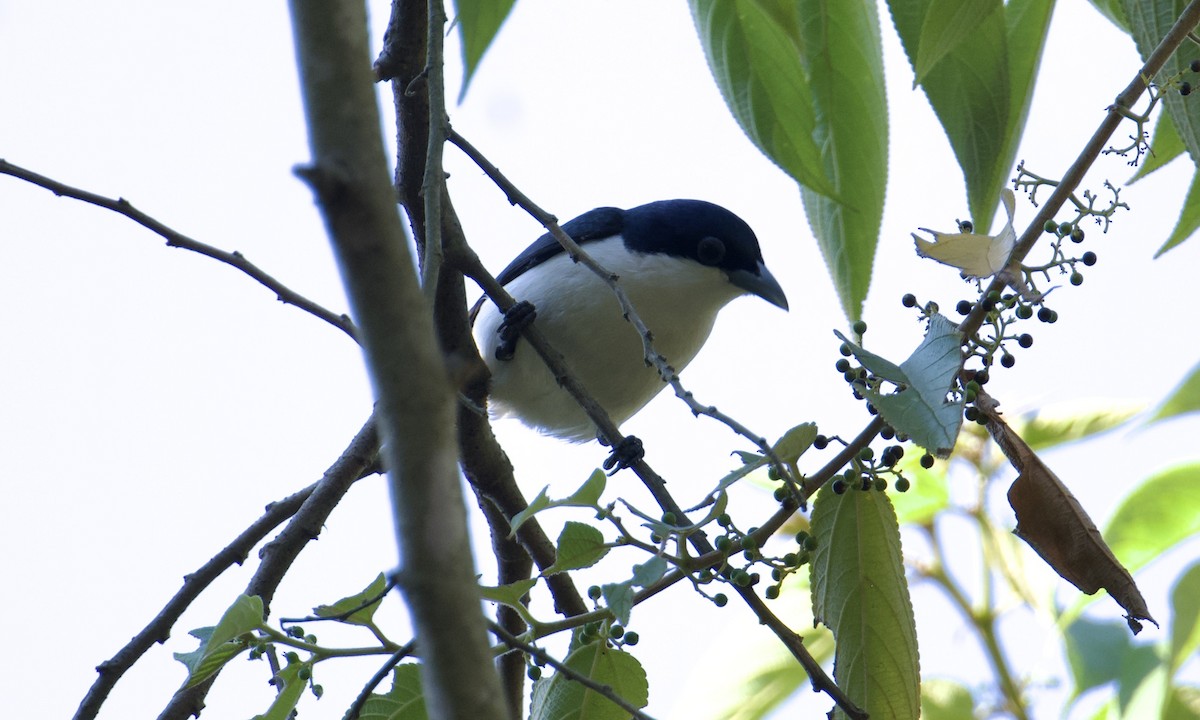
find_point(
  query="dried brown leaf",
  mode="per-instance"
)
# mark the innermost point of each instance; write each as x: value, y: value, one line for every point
x: 1055, y: 525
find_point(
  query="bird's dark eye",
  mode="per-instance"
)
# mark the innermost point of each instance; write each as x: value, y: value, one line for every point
x: 710, y: 251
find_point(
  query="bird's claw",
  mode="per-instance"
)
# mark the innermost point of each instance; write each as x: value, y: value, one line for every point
x: 516, y: 318
x: 625, y: 454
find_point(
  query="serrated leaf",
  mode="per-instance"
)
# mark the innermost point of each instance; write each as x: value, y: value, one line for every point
x: 1165, y: 146
x: 363, y: 613
x: 1185, y: 398
x: 539, y: 503
x: 1189, y: 218
x: 943, y: 699
x: 405, y: 701
x: 947, y: 24
x: 650, y: 572
x: 859, y: 592
x: 1111, y: 9
x: 579, y: 546
x: 478, y: 22
x: 218, y: 644
x: 557, y: 697
x: 843, y: 57
x: 289, y: 688
x: 1185, y: 616
x: 589, y: 493
x: 920, y: 409
x: 1161, y: 512
x: 509, y: 594
x: 753, y: 50
x: 618, y: 598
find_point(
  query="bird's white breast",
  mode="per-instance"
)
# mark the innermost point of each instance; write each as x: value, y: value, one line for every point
x: 678, y: 299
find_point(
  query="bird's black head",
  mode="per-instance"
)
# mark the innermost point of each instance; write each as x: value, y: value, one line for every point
x: 706, y: 233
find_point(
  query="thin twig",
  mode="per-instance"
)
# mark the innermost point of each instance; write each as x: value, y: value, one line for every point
x: 567, y: 672
x: 364, y: 695
x: 177, y: 239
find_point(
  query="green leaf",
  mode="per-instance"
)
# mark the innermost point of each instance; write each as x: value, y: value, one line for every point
x: 478, y: 22
x: 650, y: 572
x: 1165, y: 146
x: 947, y: 24
x: 843, y: 58
x: 860, y: 593
x: 1189, y: 218
x: 588, y: 494
x: 509, y: 594
x: 1185, y: 614
x: 579, y: 546
x: 540, y: 503
x: 557, y: 697
x: 1051, y: 428
x: 943, y: 699
x: 405, y: 701
x: 1142, y: 692
x: 1158, y: 514
x: 1096, y: 652
x: 618, y: 597
x: 981, y: 90
x: 753, y: 50
x: 1149, y: 21
x: 222, y: 642
x: 289, y: 688
x: 1183, y: 399
x: 364, y: 613
x: 920, y: 408
x: 1184, y: 703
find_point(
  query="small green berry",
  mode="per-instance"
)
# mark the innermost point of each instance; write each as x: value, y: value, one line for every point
x: 781, y: 494
x: 1050, y: 226
x: 842, y: 365
x: 1064, y: 229
x: 723, y: 543
x: 534, y: 672
x: 880, y: 484
x: 902, y: 484
x: 594, y: 592
x: 866, y: 454
x: 1024, y: 312
x: 632, y: 638
x: 771, y: 593
x: 801, y: 537
x: 720, y: 600
x: 668, y: 518
x: 845, y: 350
x: 859, y: 327
x: 791, y: 560
x: 724, y: 520
x: 749, y: 543
x: 616, y: 631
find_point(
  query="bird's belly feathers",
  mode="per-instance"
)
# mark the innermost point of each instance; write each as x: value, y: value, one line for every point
x: 582, y: 319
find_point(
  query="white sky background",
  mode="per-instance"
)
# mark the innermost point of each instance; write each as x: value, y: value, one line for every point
x: 154, y: 400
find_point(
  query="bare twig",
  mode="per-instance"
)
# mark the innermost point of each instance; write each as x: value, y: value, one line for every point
x: 364, y: 695
x: 177, y: 239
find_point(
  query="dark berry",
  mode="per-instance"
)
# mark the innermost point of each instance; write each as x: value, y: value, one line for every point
x: 1077, y: 234
x: 839, y: 486
x: 842, y: 365
x: 1024, y: 312
x: 820, y: 442
x: 1195, y: 66
x: 1007, y: 360
x: 632, y: 638
x: 866, y: 483
x: 859, y: 327
x: 988, y: 304
x: 926, y: 461
x: 902, y: 484
x: 1044, y: 314
x: 771, y: 593
x: 971, y: 414
x: 888, y: 432
x: 720, y: 600
x: 845, y: 350
x: 880, y: 484
x: 1089, y: 258
x: 534, y: 672
x: 1185, y: 88
x: 1025, y: 340
x: 963, y: 307
x: 909, y: 300
x: 982, y: 377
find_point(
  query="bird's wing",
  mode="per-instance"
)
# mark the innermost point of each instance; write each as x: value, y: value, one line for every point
x: 595, y: 224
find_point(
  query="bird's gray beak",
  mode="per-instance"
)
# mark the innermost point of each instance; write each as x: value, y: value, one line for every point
x: 761, y: 283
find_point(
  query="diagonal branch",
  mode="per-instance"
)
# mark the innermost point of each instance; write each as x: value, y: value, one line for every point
x: 177, y: 239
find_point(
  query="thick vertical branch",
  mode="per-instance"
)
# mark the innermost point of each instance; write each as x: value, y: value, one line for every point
x: 415, y: 399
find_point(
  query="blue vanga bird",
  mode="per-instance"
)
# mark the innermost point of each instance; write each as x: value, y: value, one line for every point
x: 679, y: 261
